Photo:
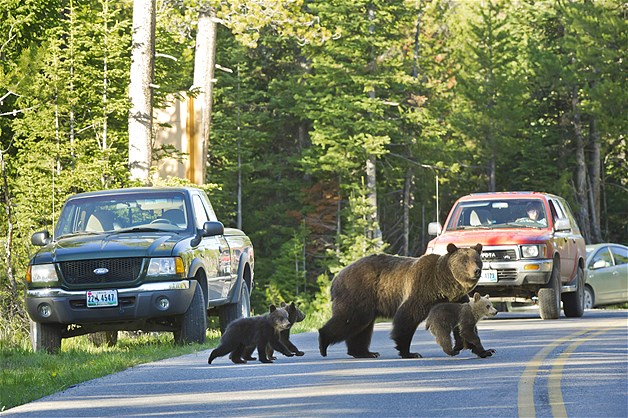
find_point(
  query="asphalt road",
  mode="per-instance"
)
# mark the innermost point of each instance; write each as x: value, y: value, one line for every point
x: 567, y: 367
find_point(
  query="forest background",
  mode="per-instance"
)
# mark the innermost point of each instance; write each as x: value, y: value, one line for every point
x: 350, y: 124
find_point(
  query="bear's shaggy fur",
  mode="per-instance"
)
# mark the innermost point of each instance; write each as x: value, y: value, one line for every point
x: 294, y: 315
x: 257, y: 331
x: 401, y: 288
x: 460, y: 319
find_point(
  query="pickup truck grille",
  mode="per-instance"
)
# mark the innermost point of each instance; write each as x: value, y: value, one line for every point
x: 119, y: 270
x: 499, y: 255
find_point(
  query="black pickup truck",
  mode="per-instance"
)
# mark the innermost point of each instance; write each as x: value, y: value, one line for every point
x: 150, y: 259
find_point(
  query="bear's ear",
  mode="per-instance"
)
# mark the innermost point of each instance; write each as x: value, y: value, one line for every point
x: 476, y: 296
x: 451, y: 247
x: 292, y: 305
x: 478, y: 248
x: 273, y: 308
x: 486, y: 296
x: 283, y: 304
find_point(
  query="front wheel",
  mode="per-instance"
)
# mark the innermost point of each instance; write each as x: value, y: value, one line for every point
x: 549, y: 297
x: 233, y: 311
x: 193, y: 323
x: 589, y: 298
x: 46, y: 337
x: 573, y: 302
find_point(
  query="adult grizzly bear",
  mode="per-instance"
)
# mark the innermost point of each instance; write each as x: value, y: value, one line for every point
x: 401, y: 288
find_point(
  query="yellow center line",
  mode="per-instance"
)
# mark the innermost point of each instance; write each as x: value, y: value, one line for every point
x: 554, y: 381
x: 526, y: 383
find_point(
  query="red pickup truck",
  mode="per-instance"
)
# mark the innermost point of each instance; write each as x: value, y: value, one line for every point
x: 532, y: 248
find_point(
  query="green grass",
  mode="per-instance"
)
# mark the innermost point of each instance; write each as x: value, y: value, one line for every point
x: 26, y: 376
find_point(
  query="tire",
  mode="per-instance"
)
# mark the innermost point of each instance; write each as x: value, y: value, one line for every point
x: 233, y: 311
x: 503, y: 306
x: 99, y: 339
x: 46, y: 337
x: 573, y: 302
x: 549, y: 297
x: 589, y: 298
x: 193, y: 323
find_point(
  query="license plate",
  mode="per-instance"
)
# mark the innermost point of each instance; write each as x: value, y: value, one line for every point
x: 102, y: 298
x: 489, y: 276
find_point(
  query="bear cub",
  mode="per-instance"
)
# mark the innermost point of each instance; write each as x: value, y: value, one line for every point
x: 258, y: 331
x: 461, y: 320
x: 294, y: 315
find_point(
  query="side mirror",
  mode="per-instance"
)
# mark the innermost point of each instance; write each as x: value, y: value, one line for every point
x: 562, y: 225
x: 600, y: 264
x: 213, y: 228
x: 41, y: 238
x: 434, y: 228
x: 210, y: 229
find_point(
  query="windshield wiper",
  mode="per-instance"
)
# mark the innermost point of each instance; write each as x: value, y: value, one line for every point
x: 78, y: 233
x: 140, y: 229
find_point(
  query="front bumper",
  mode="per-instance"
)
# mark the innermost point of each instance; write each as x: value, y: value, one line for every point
x: 518, y: 273
x: 138, y: 303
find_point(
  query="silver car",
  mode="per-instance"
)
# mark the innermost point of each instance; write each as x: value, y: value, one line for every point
x: 606, y: 272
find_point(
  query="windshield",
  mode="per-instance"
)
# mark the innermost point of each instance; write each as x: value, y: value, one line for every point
x: 124, y: 213
x: 504, y: 213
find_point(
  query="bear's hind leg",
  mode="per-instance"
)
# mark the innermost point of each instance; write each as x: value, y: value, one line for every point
x: 443, y: 338
x: 236, y: 354
x: 220, y: 351
x: 358, y: 345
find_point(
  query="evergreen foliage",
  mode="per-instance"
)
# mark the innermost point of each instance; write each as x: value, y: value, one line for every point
x: 472, y: 96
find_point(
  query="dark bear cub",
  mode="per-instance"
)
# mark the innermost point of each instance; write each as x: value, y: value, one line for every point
x: 256, y: 331
x: 294, y: 315
x: 460, y: 319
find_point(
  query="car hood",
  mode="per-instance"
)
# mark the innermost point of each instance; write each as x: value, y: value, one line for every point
x: 115, y: 245
x: 488, y: 237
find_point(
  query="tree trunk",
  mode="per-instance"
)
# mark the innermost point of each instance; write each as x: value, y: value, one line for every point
x: 9, y: 242
x: 204, y: 64
x: 581, y: 168
x: 371, y: 188
x: 407, y: 204
x: 595, y: 181
x: 140, y: 90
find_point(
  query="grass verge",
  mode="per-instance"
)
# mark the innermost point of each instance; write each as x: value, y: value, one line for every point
x: 26, y: 376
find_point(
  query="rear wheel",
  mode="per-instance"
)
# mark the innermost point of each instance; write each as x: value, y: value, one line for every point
x: 99, y: 339
x: 589, y: 298
x: 193, y: 323
x: 549, y: 297
x: 46, y: 337
x: 573, y: 302
x: 233, y: 311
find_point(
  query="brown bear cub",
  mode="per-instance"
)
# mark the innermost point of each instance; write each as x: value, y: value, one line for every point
x: 257, y: 331
x: 460, y: 319
x: 294, y: 315
x: 402, y: 288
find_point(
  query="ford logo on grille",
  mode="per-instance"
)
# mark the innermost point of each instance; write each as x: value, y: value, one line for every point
x: 101, y: 270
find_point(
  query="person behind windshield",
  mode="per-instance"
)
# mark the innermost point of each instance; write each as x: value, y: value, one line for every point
x: 535, y: 213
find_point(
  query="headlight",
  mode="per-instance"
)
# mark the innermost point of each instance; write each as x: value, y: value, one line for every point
x: 167, y: 266
x: 41, y: 273
x: 532, y: 251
